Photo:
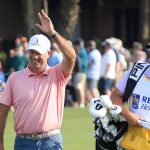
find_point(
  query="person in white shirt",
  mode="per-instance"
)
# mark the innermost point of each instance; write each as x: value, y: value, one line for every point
x: 108, y: 69
x: 139, y: 109
x: 94, y: 69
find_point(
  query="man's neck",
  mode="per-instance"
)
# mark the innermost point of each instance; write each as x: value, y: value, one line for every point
x: 37, y: 71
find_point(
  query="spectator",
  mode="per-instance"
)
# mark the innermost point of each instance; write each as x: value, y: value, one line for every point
x: 147, y: 50
x: 24, y: 43
x: 8, y: 66
x: 76, y: 76
x: 138, y: 53
x: 81, y: 84
x: 121, y: 65
x: 17, y: 61
x: 2, y: 78
x: 71, y: 95
x: 94, y: 69
x: 56, y: 56
x: 108, y: 68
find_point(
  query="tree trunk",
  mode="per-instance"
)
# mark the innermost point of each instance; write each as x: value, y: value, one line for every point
x: 67, y: 17
x: 144, y: 21
x: 29, y: 11
x: 68, y: 14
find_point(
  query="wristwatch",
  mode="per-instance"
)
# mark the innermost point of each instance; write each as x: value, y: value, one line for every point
x: 54, y: 35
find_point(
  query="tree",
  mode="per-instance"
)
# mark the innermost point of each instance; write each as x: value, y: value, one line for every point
x: 144, y: 21
x: 29, y: 12
x: 67, y: 17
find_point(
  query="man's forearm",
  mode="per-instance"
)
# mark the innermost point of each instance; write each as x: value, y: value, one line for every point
x: 131, y: 117
x: 116, y: 98
x: 65, y: 46
x: 68, y: 52
x: 3, y: 116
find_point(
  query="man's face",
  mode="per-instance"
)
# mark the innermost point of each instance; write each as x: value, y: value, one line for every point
x: 38, y: 61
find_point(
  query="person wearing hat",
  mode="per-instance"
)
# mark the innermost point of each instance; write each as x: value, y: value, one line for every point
x: 37, y: 93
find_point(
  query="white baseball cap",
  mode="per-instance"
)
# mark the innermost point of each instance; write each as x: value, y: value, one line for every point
x: 39, y: 43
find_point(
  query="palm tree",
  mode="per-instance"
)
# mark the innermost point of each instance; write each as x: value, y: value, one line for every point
x: 144, y: 21
x: 29, y: 12
x: 68, y: 16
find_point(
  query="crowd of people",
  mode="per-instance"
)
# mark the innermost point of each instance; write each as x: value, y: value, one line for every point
x: 96, y: 70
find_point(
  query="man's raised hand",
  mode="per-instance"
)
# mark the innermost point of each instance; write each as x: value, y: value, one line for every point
x: 46, y: 24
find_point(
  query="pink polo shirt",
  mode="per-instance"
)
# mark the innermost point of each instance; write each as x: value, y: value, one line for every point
x: 38, y: 100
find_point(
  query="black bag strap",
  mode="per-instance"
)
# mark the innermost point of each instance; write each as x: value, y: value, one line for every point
x: 135, y: 74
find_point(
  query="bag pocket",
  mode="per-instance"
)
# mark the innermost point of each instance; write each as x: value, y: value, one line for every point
x: 136, y: 138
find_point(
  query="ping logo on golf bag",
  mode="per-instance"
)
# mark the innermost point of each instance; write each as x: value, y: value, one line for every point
x: 135, y: 101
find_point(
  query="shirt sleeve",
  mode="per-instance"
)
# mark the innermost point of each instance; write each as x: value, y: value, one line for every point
x: 122, y: 83
x: 61, y: 76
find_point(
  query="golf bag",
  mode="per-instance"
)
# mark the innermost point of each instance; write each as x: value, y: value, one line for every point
x: 109, y: 125
x: 108, y: 138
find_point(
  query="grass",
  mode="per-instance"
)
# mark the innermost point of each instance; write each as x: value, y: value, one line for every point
x: 9, y: 135
x: 77, y: 130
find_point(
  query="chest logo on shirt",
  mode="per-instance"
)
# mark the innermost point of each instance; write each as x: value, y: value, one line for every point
x: 135, y: 101
x: 145, y: 103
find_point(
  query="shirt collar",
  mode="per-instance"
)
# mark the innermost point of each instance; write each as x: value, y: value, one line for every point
x: 30, y: 73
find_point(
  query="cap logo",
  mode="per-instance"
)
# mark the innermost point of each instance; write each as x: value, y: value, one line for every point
x: 37, y: 40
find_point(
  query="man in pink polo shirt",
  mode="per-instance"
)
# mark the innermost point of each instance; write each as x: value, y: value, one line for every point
x: 37, y: 93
